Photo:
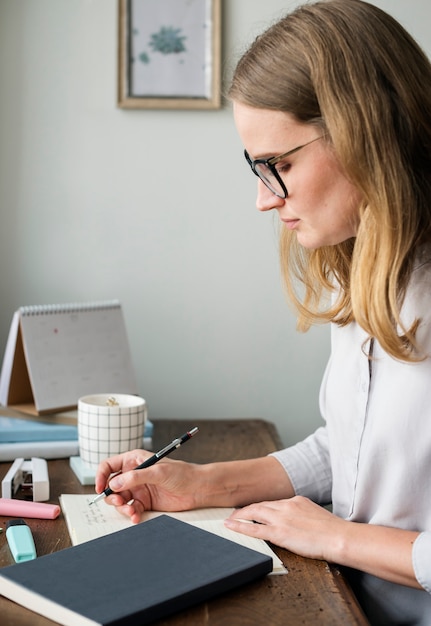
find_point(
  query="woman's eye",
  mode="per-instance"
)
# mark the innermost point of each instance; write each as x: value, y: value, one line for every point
x: 283, y: 168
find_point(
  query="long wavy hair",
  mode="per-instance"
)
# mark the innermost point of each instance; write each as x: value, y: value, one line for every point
x: 351, y: 69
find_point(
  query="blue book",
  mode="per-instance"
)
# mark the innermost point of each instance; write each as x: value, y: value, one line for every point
x: 16, y: 430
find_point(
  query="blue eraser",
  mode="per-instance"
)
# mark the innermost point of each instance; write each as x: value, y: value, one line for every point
x: 20, y: 540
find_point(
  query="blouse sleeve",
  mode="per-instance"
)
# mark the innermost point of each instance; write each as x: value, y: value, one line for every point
x: 308, y: 466
x: 422, y: 560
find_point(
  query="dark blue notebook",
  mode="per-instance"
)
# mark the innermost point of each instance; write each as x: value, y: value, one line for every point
x: 134, y: 576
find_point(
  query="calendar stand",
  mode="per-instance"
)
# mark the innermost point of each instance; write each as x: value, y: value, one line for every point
x: 57, y: 353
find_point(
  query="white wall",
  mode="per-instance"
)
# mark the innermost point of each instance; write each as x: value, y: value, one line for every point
x: 155, y: 208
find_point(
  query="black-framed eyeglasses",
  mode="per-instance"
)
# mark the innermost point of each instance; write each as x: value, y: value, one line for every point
x: 265, y: 169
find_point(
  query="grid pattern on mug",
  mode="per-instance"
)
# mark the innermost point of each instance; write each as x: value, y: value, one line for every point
x: 101, y: 435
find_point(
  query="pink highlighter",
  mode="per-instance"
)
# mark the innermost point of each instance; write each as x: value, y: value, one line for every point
x: 27, y: 508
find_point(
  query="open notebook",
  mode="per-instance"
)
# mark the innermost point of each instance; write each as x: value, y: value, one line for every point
x: 86, y: 522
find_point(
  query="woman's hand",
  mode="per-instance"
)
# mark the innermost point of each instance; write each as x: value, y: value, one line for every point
x: 309, y: 530
x: 297, y: 524
x: 168, y: 485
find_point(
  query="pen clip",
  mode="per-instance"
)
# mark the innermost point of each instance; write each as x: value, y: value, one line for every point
x: 171, y: 446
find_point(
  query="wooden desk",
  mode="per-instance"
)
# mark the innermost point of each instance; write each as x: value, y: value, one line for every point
x: 311, y: 593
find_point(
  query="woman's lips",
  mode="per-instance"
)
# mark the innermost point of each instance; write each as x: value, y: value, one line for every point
x: 290, y: 223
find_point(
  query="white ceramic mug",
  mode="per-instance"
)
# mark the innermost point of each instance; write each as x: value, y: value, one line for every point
x: 108, y: 424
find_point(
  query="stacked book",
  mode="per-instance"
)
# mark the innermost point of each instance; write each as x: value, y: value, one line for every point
x: 28, y: 437
x: 22, y: 437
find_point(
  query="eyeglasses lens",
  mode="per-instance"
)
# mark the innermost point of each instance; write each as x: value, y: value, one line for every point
x: 268, y: 177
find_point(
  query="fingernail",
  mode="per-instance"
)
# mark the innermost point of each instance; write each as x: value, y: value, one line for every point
x: 116, y: 483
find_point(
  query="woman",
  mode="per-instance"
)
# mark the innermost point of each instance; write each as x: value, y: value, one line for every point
x: 333, y: 106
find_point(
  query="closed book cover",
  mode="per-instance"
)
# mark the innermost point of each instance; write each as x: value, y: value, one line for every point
x: 134, y: 576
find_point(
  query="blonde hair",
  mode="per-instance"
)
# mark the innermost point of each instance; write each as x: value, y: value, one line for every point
x: 353, y: 71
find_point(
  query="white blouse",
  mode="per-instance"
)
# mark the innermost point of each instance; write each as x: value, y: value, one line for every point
x: 372, y: 459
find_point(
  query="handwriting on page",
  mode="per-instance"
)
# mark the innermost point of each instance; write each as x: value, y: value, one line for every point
x: 90, y: 522
x: 93, y: 515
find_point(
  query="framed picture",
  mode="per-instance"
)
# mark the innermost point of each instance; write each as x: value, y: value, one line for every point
x: 169, y: 54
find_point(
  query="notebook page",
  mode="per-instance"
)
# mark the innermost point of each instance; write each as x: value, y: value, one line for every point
x: 85, y: 522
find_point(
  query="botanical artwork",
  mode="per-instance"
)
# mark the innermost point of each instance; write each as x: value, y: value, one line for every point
x: 170, y: 48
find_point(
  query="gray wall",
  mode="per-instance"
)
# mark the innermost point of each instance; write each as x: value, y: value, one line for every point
x: 156, y: 208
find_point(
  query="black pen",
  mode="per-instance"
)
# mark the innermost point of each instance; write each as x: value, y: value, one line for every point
x: 176, y: 443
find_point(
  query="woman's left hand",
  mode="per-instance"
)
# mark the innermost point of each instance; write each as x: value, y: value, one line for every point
x: 297, y: 524
x: 309, y: 530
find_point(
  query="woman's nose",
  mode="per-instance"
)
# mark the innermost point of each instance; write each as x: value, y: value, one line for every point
x: 266, y: 200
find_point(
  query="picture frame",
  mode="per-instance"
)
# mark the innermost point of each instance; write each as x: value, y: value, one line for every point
x: 169, y: 54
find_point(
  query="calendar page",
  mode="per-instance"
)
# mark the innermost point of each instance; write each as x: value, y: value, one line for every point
x: 73, y: 350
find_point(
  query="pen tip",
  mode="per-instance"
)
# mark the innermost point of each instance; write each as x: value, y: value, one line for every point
x: 100, y: 496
